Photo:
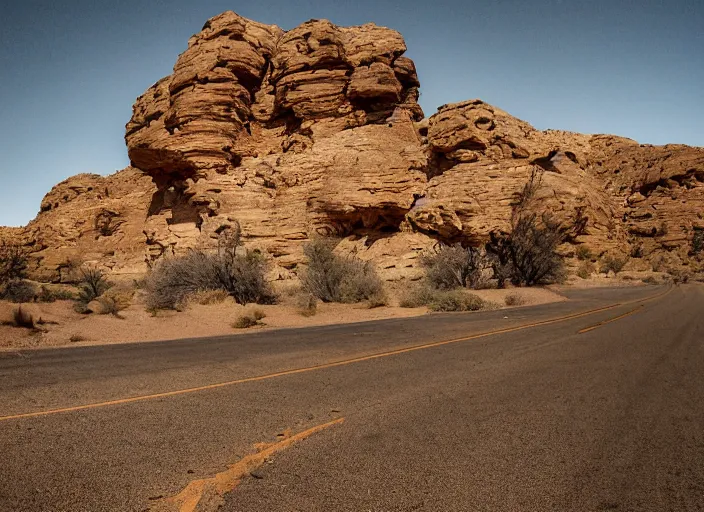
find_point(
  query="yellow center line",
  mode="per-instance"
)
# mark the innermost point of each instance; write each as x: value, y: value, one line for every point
x: 323, y: 366
x: 608, y: 321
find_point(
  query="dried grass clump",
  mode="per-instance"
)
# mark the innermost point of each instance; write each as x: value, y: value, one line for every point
x: 307, y: 304
x: 250, y: 319
x: 23, y: 318
x: 514, y: 299
x: 586, y: 269
x: 583, y: 253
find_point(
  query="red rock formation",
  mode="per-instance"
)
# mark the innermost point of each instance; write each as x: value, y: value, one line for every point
x: 318, y: 131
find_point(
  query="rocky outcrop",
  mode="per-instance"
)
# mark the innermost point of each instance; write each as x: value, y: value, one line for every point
x: 317, y: 131
x: 91, y: 218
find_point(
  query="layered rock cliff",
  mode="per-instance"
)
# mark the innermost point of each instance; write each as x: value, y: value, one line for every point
x: 317, y: 131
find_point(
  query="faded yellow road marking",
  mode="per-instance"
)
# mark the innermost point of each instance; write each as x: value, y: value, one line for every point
x: 323, y: 366
x: 211, y: 490
x: 608, y: 321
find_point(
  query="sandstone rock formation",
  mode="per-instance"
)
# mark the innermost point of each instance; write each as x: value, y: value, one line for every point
x: 317, y: 131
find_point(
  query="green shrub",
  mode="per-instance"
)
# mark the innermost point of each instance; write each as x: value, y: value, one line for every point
x: 333, y: 278
x: 18, y: 291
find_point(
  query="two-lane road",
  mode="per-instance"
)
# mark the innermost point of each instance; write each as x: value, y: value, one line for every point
x: 439, y: 414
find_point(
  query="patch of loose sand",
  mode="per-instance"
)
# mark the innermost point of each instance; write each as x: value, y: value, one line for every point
x: 62, y: 324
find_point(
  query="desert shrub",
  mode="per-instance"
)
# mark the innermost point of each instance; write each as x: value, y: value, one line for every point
x: 244, y: 321
x: 22, y: 318
x: 13, y: 262
x: 698, y: 241
x: 378, y: 300
x: 585, y: 270
x: 334, y: 278
x: 75, y: 338
x: 611, y: 263
x: 172, y: 280
x: 110, y: 306
x: 249, y: 319
x: 18, y: 291
x: 528, y: 254
x: 514, y: 299
x: 307, y: 304
x: 238, y: 272
x: 417, y: 297
x: 583, y: 253
x: 454, y: 266
x: 47, y: 294
x: 208, y: 297
x: 441, y: 300
x: 456, y: 300
x: 92, y: 283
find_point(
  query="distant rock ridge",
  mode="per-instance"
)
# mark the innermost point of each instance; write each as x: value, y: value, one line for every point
x: 317, y: 131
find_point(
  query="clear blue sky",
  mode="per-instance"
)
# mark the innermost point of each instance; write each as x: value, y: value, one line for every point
x: 72, y: 69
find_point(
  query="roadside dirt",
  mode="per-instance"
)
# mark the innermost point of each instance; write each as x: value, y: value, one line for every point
x: 58, y: 324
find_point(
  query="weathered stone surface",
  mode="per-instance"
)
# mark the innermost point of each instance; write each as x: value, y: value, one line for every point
x: 317, y: 131
x: 91, y: 218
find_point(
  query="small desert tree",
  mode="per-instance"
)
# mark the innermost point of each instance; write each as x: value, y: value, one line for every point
x: 528, y: 254
x: 13, y: 262
x: 698, y: 241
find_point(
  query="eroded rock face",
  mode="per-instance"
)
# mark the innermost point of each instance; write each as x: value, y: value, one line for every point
x: 317, y: 131
x: 91, y: 218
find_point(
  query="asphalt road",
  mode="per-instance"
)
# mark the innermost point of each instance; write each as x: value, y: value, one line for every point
x: 537, y: 417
